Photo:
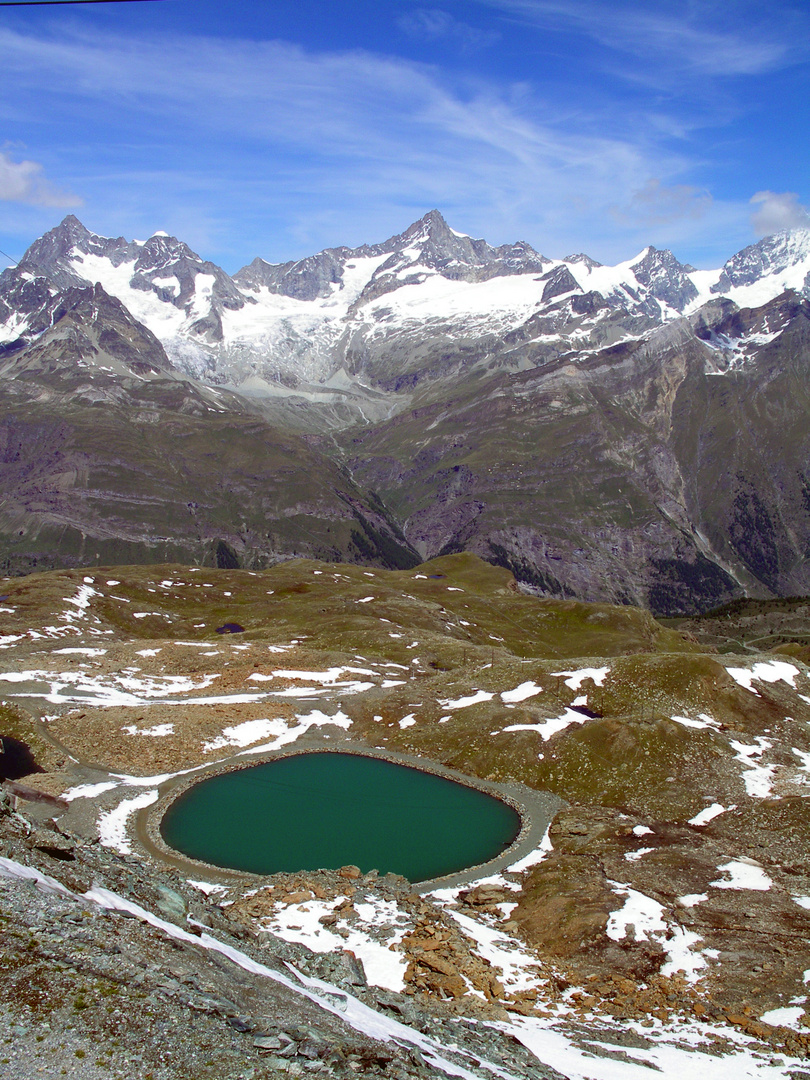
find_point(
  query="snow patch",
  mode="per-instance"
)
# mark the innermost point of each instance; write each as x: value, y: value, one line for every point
x: 464, y: 702
x: 112, y: 825
x: 521, y: 693
x: 757, y: 778
x: 575, y: 679
x: 644, y: 917
x: 547, y: 728
x: 742, y: 874
x: 89, y: 791
x: 159, y: 731
x: 770, y: 671
x: 709, y: 813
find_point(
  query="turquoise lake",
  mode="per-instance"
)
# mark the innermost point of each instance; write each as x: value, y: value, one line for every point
x: 327, y: 810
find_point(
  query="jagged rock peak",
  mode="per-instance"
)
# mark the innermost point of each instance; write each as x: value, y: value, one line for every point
x: 160, y: 250
x: 585, y: 260
x: 431, y: 226
x: 559, y: 281
x: 49, y: 256
x: 305, y: 279
x: 70, y: 232
x: 665, y: 278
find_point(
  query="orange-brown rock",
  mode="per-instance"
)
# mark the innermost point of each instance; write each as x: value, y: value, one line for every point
x: 439, y: 964
x: 351, y: 873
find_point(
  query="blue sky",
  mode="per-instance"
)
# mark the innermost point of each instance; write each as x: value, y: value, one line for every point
x: 280, y: 128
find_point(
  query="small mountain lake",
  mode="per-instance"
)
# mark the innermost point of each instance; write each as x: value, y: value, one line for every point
x: 321, y: 810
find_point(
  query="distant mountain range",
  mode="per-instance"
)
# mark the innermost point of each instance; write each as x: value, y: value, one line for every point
x: 636, y: 433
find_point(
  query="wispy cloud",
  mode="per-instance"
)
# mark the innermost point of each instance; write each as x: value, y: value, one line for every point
x: 777, y: 211
x: 313, y: 148
x: 24, y: 182
x: 433, y: 24
x: 667, y: 40
x: 657, y: 204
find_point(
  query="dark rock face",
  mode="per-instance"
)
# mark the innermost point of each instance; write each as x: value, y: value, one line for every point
x: 558, y: 282
x: 304, y: 280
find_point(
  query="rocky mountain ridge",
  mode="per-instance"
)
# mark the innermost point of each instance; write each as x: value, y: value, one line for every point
x: 634, y: 433
x: 277, y: 326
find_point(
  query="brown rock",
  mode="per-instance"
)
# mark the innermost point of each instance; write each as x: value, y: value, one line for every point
x: 352, y: 873
x: 426, y: 944
x: 484, y: 895
x: 453, y: 985
x: 439, y: 964
x: 520, y: 1007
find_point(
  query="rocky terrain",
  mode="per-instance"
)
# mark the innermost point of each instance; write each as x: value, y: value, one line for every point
x: 631, y: 434
x: 660, y: 923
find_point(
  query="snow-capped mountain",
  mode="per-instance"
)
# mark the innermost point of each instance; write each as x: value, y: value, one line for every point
x: 429, y: 301
x: 635, y: 433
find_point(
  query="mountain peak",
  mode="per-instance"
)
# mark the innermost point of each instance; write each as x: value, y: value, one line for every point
x: 58, y: 241
x: 434, y: 217
x: 71, y: 223
x: 49, y: 256
x: 431, y: 226
x: 162, y: 249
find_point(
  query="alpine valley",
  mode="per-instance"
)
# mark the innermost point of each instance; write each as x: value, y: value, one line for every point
x: 635, y: 434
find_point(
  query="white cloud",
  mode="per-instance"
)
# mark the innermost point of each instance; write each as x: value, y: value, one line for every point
x: 777, y: 211
x: 23, y: 182
x: 371, y: 120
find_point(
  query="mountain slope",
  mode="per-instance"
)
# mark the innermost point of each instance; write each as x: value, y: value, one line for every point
x: 671, y: 472
x: 108, y: 454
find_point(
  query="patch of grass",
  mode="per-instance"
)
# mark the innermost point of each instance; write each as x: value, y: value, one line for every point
x: 656, y: 767
x: 319, y: 602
